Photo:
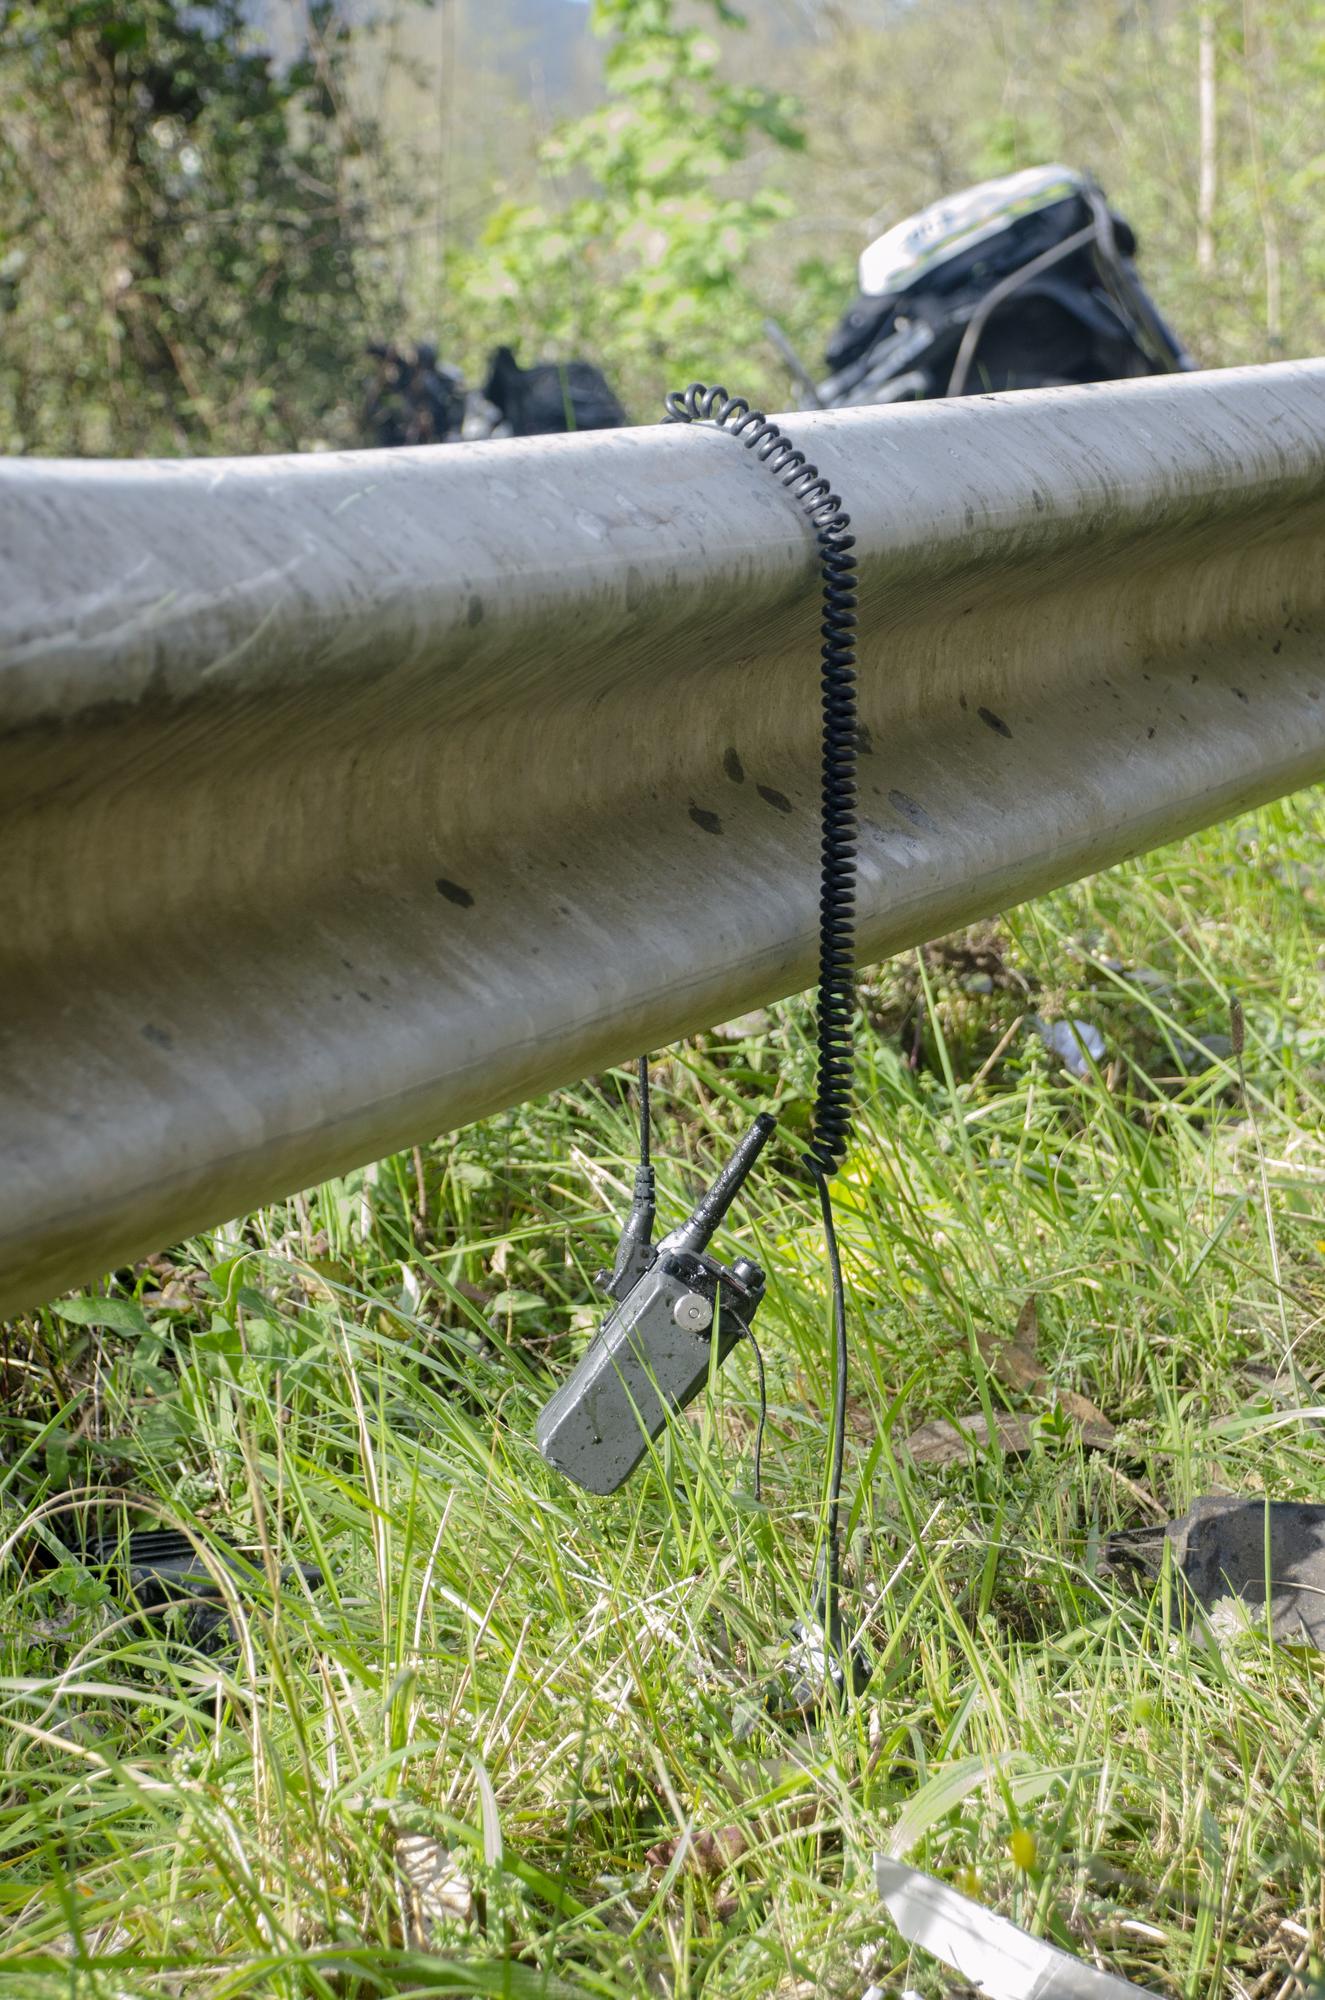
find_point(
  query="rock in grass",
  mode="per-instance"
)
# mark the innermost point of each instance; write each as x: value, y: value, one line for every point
x: 943, y: 1443
x: 1219, y: 1547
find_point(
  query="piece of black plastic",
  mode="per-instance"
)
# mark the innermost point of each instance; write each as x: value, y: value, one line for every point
x: 160, y: 1572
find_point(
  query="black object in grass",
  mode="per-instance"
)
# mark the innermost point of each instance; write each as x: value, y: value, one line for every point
x: 160, y: 1573
x: 1220, y: 1547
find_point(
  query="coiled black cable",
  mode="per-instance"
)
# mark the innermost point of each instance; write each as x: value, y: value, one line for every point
x: 837, y: 849
x: 837, y: 878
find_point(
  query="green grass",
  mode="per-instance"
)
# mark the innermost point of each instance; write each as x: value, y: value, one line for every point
x: 557, y: 1689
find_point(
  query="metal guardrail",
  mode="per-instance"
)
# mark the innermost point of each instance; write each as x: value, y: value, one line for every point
x: 345, y: 799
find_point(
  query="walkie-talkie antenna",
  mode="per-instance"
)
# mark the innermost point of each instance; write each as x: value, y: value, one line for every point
x: 697, y: 1231
x: 651, y: 1352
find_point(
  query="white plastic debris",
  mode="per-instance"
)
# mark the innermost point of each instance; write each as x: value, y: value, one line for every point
x: 993, y: 1955
x: 434, y: 1890
x: 1071, y: 1041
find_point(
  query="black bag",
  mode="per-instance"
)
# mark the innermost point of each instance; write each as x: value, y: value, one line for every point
x: 1017, y: 283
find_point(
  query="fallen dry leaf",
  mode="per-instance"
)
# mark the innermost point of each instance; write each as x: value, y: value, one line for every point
x: 1096, y: 1429
x: 943, y: 1443
x: 709, y: 1851
x: 174, y: 1297
x: 1017, y: 1363
x: 475, y: 1294
x: 325, y: 1277
x: 1013, y: 1366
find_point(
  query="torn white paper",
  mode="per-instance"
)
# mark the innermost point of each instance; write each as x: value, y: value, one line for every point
x: 995, y: 1956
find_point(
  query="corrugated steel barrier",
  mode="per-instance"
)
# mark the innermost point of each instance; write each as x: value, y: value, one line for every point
x: 345, y: 799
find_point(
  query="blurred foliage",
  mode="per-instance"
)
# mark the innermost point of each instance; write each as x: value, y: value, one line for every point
x: 197, y: 237
x: 941, y: 94
x: 638, y: 244
x: 181, y: 231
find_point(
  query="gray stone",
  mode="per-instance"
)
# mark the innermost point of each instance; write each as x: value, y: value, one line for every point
x: 1220, y: 1545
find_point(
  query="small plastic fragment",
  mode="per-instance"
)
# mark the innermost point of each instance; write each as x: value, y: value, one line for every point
x: 993, y: 1955
x: 1077, y: 1044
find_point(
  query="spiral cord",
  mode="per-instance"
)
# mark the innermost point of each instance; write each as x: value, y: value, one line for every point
x: 831, y: 1129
